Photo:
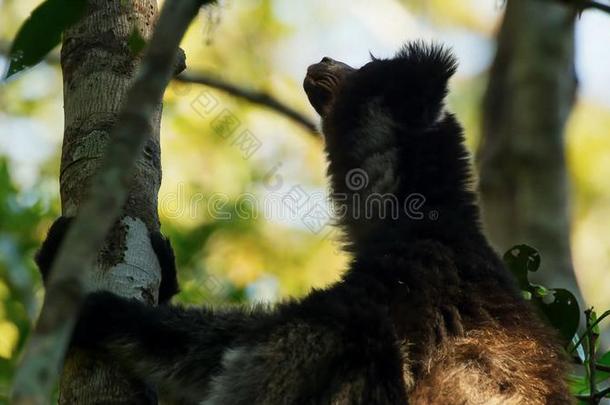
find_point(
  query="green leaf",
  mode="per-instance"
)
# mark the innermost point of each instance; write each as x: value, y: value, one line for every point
x: 520, y: 260
x: 557, y: 305
x: 578, y: 384
x: 42, y: 31
x: 562, y: 311
x: 594, y: 323
x: 540, y: 291
x: 136, y: 42
x: 603, y: 375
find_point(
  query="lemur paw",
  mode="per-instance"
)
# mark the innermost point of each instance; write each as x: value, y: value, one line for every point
x: 167, y: 260
x: 101, y: 314
x: 161, y: 245
x: 46, y: 254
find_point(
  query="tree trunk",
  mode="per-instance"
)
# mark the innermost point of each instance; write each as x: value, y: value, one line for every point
x: 98, y: 66
x: 521, y: 162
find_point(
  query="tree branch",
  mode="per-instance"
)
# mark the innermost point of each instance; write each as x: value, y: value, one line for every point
x: 602, y: 367
x: 581, y: 5
x: 596, y: 398
x: 596, y: 5
x: 45, y: 350
x: 588, y: 330
x: 590, y: 365
x: 209, y: 79
x: 598, y: 366
x: 251, y: 95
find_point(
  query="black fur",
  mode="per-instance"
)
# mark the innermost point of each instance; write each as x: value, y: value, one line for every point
x: 160, y: 244
x: 426, y: 313
x: 46, y: 254
x: 418, y: 154
x: 169, y: 276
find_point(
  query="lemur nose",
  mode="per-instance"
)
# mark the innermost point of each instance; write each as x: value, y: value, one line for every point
x: 326, y: 59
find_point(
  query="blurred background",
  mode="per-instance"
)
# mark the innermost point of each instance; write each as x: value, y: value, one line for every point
x: 222, y: 202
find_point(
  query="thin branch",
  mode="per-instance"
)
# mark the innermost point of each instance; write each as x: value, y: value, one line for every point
x: 46, y: 348
x: 596, y: 5
x: 597, y: 397
x: 598, y: 366
x: 588, y: 330
x: 602, y: 367
x: 603, y: 393
x: 254, y: 96
x: 581, y: 5
x: 591, y: 340
x: 208, y: 79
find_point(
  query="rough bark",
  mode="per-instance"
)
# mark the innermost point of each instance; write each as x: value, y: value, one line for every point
x: 521, y: 160
x: 112, y: 196
x: 98, y: 67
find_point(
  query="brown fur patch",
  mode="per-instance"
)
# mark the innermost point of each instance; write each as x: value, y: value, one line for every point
x: 493, y: 365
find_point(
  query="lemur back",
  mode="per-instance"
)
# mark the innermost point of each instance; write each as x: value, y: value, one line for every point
x: 426, y: 312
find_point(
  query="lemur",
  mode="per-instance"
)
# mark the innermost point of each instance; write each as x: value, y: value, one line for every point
x: 425, y: 314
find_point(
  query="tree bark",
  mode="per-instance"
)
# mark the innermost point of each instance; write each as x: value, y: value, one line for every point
x: 98, y: 66
x: 111, y: 194
x: 521, y: 160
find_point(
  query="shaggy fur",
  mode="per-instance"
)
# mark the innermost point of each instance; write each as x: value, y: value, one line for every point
x: 426, y: 314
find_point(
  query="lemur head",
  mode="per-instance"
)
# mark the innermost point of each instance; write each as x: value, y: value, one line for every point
x: 410, y: 87
x: 385, y: 122
x: 323, y: 81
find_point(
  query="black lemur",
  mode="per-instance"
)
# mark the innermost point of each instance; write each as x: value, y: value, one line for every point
x: 426, y: 312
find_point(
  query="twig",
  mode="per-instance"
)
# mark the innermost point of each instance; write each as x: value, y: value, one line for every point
x: 586, y: 332
x: 603, y: 393
x: 581, y: 5
x: 208, y: 79
x: 38, y: 371
x: 602, y: 367
x: 254, y: 96
x: 597, y: 397
x: 596, y: 5
x: 591, y: 341
x: 599, y: 367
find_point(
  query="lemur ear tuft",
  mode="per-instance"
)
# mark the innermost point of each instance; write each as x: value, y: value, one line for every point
x: 435, y: 60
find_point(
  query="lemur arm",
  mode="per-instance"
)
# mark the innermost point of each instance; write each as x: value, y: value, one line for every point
x: 177, y: 349
x: 160, y: 244
x: 240, y: 356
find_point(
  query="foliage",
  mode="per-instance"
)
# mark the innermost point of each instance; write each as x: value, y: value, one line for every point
x: 40, y: 33
x: 19, y: 238
x: 244, y: 50
x: 557, y: 305
x: 560, y: 308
